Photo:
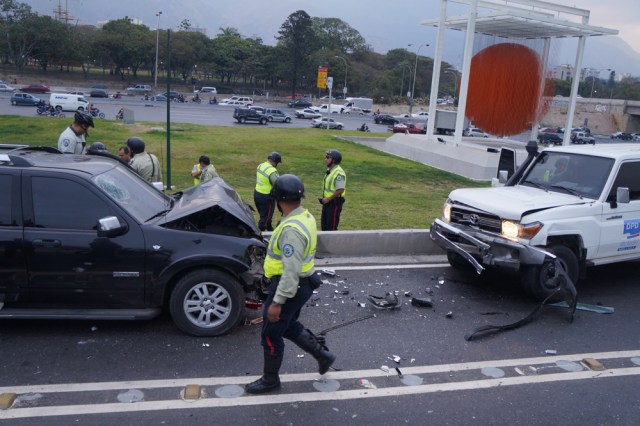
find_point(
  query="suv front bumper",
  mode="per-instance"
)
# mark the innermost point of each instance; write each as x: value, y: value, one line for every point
x: 482, y: 248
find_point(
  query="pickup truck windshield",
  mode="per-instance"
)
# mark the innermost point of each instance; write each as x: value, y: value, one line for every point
x: 132, y: 193
x: 578, y: 174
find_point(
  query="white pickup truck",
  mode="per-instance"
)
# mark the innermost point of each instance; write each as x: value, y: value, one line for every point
x: 579, y: 204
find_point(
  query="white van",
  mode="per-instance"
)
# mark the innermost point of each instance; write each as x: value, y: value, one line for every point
x: 68, y: 102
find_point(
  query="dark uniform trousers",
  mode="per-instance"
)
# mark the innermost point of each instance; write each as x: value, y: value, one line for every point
x: 273, y: 333
x: 330, y: 218
x: 265, y: 205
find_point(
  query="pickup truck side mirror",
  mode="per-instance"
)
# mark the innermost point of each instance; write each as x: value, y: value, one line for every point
x: 110, y: 227
x: 622, y: 195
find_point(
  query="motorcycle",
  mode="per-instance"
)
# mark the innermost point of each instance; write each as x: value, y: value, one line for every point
x: 196, y: 99
x: 47, y: 110
x: 95, y: 112
x: 213, y: 101
x: 363, y: 128
x: 120, y: 114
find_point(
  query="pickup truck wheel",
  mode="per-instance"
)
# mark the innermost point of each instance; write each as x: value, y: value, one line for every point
x: 206, y: 302
x: 263, y: 121
x: 458, y: 262
x: 536, y: 280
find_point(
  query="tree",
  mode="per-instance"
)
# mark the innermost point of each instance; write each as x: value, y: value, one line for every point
x: 17, y: 31
x: 335, y: 34
x: 299, y: 40
x: 126, y: 44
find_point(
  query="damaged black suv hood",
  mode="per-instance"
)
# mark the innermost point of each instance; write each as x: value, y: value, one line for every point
x: 206, y: 203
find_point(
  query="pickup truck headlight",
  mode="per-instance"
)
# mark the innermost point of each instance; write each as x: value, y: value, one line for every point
x: 514, y: 230
x: 446, y: 211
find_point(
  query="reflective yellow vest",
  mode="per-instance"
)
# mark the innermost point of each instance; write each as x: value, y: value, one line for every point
x: 263, y: 185
x: 330, y: 182
x: 306, y: 225
x: 196, y: 168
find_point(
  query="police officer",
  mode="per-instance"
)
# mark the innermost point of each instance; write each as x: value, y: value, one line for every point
x: 207, y: 171
x: 334, y: 185
x: 289, y: 269
x: 72, y: 139
x: 266, y: 175
x: 145, y: 164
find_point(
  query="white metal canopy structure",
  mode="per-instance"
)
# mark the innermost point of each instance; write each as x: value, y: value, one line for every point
x: 514, y: 20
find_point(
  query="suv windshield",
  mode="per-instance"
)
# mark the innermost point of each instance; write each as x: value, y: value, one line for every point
x: 577, y: 174
x: 133, y: 194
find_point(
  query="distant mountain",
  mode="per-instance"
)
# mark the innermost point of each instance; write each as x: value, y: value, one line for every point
x: 602, y: 53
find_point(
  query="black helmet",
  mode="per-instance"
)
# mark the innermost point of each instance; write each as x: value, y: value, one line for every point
x: 335, y: 155
x: 288, y: 188
x: 97, y: 147
x: 135, y: 144
x: 275, y: 156
x: 82, y: 117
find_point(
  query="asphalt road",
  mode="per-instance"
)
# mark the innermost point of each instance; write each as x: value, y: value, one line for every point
x: 88, y: 372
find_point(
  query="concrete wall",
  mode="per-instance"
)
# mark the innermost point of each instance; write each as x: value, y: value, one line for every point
x: 392, y: 242
x: 603, y: 116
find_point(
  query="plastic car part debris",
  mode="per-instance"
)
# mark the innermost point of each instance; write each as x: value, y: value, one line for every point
x: 329, y: 272
x: 550, y: 352
x: 586, y: 307
x: 384, y: 368
x: 389, y: 301
x: 423, y: 302
x: 399, y: 373
x: 366, y: 384
x: 449, y: 314
x: 253, y: 304
x: 593, y: 364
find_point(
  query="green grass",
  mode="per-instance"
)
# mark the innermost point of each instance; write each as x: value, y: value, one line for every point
x: 383, y: 191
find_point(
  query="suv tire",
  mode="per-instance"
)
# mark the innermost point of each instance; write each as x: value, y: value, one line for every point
x: 536, y: 280
x: 241, y: 120
x: 263, y: 121
x: 206, y: 302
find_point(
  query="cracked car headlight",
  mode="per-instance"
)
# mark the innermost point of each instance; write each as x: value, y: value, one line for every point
x: 446, y: 211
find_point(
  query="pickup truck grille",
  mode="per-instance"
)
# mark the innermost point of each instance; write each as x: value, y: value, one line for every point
x: 484, y: 221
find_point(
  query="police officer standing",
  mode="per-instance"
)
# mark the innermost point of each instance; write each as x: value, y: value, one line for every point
x: 145, y: 164
x: 72, y: 139
x: 266, y: 175
x: 289, y: 269
x: 334, y: 185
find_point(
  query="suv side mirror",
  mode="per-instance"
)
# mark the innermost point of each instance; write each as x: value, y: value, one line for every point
x: 110, y: 227
x: 622, y: 195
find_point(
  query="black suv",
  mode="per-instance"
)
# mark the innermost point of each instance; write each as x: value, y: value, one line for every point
x: 85, y: 237
x: 385, y: 119
x: 248, y: 114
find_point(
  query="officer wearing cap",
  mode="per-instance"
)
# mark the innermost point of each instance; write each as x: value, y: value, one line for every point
x: 145, y: 164
x: 266, y: 175
x: 72, y: 139
x: 289, y: 270
x: 334, y: 185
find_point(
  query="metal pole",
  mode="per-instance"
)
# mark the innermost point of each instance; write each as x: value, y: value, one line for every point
x: 344, y: 89
x: 168, y: 109
x: 415, y: 69
x: 155, y: 74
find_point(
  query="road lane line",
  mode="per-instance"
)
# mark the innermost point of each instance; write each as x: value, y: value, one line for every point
x: 400, y: 266
x: 64, y: 410
x: 300, y: 377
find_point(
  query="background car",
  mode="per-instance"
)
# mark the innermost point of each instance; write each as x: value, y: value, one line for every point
x: 209, y: 90
x: 422, y: 115
x: 299, y: 104
x: 385, y: 119
x: 172, y: 95
x: 475, y: 132
x: 412, y: 128
x: 158, y: 98
x: 35, y: 88
x: 98, y: 93
x: 6, y: 88
x: 322, y: 122
x: 550, y: 138
x: 24, y: 99
x: 307, y: 113
x: 622, y: 136
x: 277, y: 115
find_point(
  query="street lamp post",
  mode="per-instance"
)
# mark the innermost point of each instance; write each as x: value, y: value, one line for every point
x: 415, y: 69
x: 155, y: 75
x: 344, y: 89
x: 404, y: 66
x: 593, y: 77
x: 455, y: 82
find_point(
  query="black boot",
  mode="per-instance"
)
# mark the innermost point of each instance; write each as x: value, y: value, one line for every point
x: 270, y: 380
x: 314, y: 346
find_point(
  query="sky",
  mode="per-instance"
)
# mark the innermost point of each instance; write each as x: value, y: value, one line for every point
x: 384, y: 24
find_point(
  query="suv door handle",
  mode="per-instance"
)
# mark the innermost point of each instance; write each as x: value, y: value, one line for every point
x: 47, y: 243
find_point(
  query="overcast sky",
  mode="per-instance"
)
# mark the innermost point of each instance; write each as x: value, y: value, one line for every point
x: 384, y: 24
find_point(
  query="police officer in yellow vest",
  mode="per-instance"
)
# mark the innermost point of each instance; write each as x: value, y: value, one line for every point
x: 266, y: 175
x: 333, y: 189
x: 289, y: 268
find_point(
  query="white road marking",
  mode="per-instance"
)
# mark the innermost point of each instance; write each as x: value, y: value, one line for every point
x: 375, y: 267
x: 313, y: 396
